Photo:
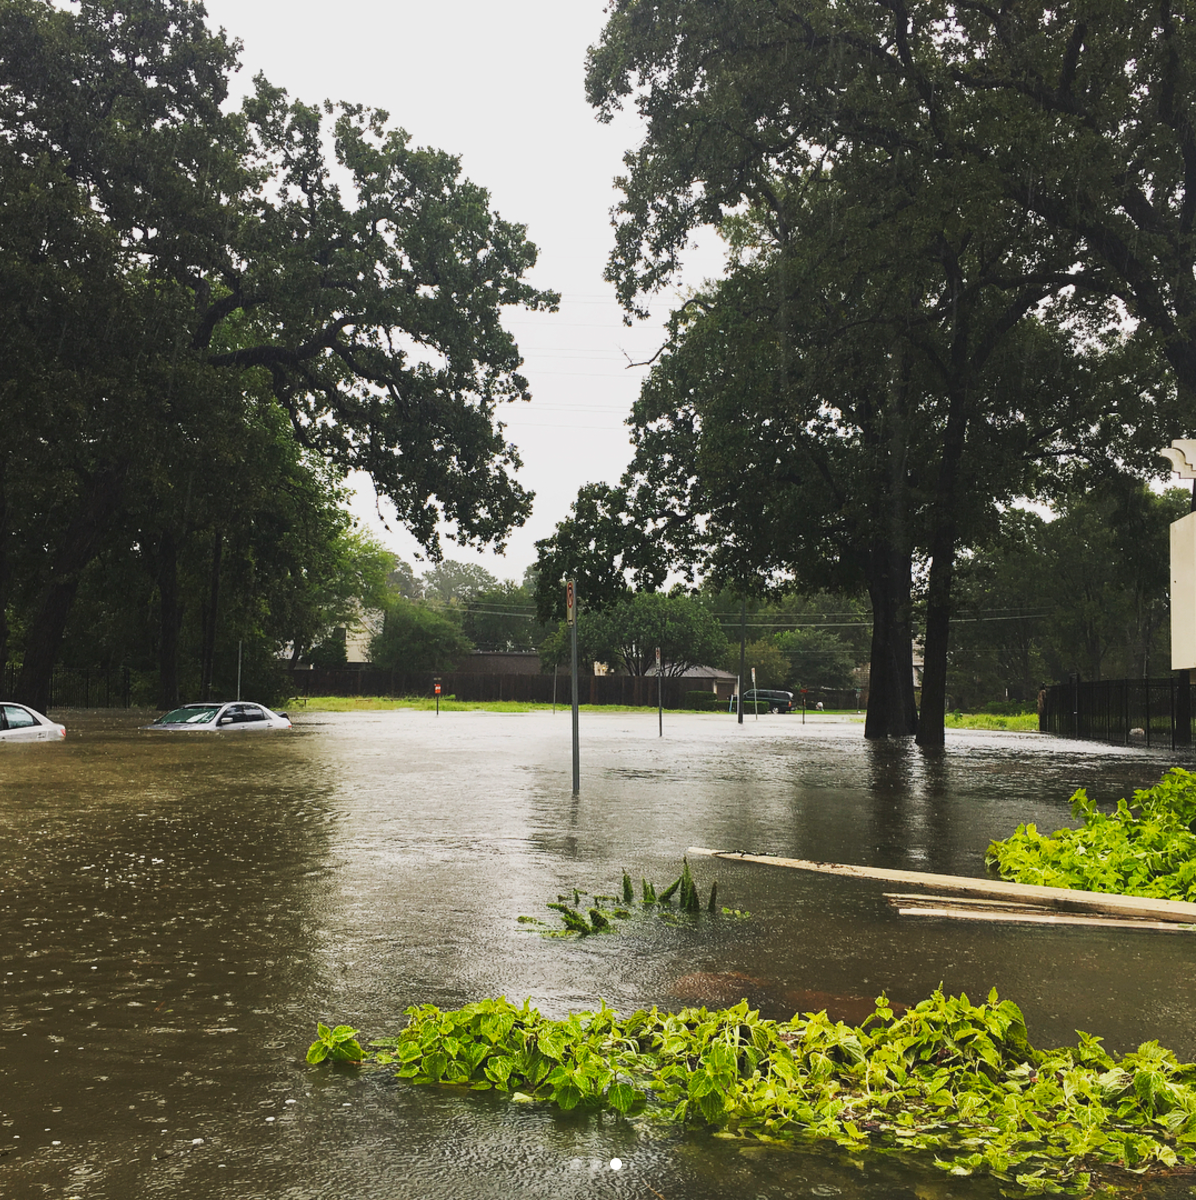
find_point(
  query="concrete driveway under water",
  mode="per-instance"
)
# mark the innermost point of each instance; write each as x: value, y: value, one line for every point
x: 177, y: 911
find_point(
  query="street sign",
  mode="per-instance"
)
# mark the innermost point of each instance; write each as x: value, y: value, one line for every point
x: 570, y: 603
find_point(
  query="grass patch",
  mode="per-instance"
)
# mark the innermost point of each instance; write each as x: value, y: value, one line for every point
x: 451, y: 704
x: 1022, y: 723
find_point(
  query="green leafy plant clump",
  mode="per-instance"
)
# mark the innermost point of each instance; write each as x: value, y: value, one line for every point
x: 955, y: 1081
x: 1144, y: 848
x: 339, y: 1045
x: 608, y: 909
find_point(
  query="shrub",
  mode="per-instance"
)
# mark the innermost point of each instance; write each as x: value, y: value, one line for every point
x: 1143, y: 848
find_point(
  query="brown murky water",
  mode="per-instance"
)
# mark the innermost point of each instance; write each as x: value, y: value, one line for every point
x: 177, y: 911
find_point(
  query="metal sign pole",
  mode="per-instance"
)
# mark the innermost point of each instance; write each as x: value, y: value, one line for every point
x: 742, y: 655
x: 755, y: 698
x: 571, y: 617
x: 659, y: 696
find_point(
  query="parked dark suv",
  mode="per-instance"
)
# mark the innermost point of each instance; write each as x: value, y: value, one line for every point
x: 777, y: 702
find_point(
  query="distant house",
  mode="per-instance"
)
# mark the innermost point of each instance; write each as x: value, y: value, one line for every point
x: 358, y: 635
x: 721, y: 683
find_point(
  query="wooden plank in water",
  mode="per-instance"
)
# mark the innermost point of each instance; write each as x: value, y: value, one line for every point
x: 1067, y: 899
x: 972, y: 908
x: 1039, y: 917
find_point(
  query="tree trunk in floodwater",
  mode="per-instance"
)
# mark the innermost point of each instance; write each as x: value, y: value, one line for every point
x: 938, y: 628
x: 99, y: 501
x: 892, y: 711
x: 943, y: 538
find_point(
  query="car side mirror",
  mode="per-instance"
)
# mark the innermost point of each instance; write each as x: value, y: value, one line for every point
x: 225, y: 721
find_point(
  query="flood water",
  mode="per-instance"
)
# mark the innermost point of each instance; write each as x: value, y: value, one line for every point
x: 177, y: 912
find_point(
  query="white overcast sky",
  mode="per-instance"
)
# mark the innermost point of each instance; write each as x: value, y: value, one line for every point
x: 502, y: 86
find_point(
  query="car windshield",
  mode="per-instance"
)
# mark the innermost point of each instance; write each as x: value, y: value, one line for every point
x: 189, y: 716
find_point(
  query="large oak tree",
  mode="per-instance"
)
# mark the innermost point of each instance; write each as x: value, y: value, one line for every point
x: 878, y: 137
x: 161, y: 253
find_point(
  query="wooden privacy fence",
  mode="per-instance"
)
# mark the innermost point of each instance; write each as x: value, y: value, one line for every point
x: 638, y: 691
x: 1148, y: 712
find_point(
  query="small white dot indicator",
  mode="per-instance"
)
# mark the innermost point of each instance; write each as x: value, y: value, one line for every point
x: 616, y: 1164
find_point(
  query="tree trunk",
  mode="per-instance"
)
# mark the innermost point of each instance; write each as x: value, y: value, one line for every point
x: 170, y: 620
x: 4, y: 578
x: 892, y: 711
x: 99, y: 501
x: 934, y: 654
x: 938, y: 604
x: 945, y: 530
x: 207, y: 654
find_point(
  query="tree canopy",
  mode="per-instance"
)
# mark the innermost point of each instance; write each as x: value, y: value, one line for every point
x: 1085, y: 592
x: 415, y: 638
x: 628, y: 633
x: 908, y: 335
x: 169, y: 265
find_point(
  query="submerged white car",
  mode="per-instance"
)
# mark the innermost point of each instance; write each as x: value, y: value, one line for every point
x: 236, y: 716
x: 19, y: 723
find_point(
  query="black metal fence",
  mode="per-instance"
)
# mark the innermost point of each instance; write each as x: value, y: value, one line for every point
x: 78, y: 687
x: 1145, y: 712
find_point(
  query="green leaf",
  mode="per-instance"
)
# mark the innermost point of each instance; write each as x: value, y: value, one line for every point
x: 499, y: 1070
x: 667, y: 894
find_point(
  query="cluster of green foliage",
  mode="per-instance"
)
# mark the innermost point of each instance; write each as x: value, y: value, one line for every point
x: 606, y: 909
x: 209, y: 315
x: 1086, y: 592
x: 937, y: 217
x: 957, y: 1081
x: 338, y: 1045
x: 430, y: 622
x: 625, y: 631
x: 791, y: 641
x: 1143, y: 848
x: 813, y: 641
